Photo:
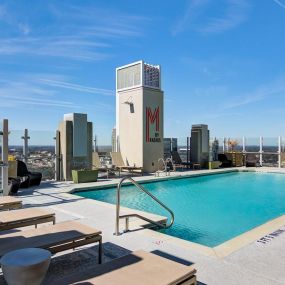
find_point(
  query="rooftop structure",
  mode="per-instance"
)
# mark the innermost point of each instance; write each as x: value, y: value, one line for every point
x: 139, y: 114
x: 74, y: 144
x: 199, y: 144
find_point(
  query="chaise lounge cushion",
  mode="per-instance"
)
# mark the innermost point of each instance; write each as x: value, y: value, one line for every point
x: 7, y: 203
x: 54, y: 238
x: 137, y: 268
x: 25, y: 217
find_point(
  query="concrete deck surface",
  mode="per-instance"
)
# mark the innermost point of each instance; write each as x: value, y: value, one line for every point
x: 256, y: 263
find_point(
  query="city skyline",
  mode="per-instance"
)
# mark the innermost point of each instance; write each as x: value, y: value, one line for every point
x: 222, y: 64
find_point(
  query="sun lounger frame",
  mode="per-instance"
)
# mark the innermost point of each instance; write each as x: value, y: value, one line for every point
x: 110, y: 272
x: 58, y: 246
x: 28, y: 222
x: 77, y: 242
x: 10, y: 205
x: 25, y: 217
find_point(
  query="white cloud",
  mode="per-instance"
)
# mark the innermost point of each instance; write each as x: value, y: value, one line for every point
x: 45, y: 90
x: 234, y: 15
x: 231, y: 14
x: 94, y: 32
x: 78, y: 87
x: 281, y: 4
x: 76, y: 48
x: 259, y: 94
x: 193, y: 10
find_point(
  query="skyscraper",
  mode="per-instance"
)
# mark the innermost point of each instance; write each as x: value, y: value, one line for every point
x: 114, y: 140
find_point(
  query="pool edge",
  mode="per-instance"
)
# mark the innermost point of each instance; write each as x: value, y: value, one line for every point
x: 220, y: 251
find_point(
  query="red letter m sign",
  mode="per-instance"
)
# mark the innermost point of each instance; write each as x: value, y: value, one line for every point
x: 151, y: 118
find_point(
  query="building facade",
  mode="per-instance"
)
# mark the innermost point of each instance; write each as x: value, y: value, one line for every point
x: 199, y: 144
x: 114, y: 140
x: 139, y: 114
x: 170, y: 145
x: 73, y: 145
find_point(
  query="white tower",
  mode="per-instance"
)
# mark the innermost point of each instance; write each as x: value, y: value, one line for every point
x: 139, y: 114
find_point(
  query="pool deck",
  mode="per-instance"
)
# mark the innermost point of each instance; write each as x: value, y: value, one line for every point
x: 254, y: 262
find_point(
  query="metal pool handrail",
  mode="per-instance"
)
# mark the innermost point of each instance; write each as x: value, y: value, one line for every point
x: 127, y: 216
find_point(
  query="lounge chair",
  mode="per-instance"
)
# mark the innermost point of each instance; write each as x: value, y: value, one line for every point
x: 118, y: 161
x: 250, y: 161
x: 31, y: 178
x: 9, y: 203
x: 25, y: 217
x: 14, y: 184
x: 55, y: 238
x: 137, y: 268
x: 177, y: 161
x: 224, y: 160
x: 96, y: 164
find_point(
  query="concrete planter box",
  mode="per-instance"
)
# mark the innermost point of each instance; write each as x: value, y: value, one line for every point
x: 82, y: 176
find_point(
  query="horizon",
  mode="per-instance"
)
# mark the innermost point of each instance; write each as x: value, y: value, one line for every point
x: 222, y: 64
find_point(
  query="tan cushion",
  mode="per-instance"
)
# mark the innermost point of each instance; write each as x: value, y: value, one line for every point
x: 23, y: 214
x: 9, y: 200
x: 46, y: 236
x: 138, y: 268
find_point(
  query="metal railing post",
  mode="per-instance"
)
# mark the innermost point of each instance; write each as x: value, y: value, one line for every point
x: 127, y: 216
x: 260, y: 150
x: 5, y: 150
x: 127, y: 225
x: 117, y: 230
x: 279, y: 151
x: 243, y: 151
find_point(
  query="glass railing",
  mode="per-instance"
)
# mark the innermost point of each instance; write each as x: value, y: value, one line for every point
x: 1, y: 169
x: 248, y: 147
x: 40, y: 156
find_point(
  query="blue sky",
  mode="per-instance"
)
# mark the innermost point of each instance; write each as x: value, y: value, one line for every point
x: 222, y: 62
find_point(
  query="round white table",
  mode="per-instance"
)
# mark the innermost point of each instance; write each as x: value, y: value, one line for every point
x: 26, y: 266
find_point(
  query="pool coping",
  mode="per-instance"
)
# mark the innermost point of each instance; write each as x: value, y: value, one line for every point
x: 220, y: 251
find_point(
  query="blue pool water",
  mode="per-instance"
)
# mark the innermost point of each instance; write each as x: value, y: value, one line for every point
x: 211, y: 209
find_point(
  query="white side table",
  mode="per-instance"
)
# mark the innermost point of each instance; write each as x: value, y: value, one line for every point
x: 26, y: 266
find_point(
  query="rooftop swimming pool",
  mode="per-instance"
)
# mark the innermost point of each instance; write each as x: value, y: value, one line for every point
x: 211, y: 209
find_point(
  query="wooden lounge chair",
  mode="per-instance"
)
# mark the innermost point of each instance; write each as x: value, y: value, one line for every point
x: 96, y: 164
x: 9, y: 203
x: 25, y: 217
x: 177, y: 161
x: 55, y: 238
x: 137, y: 268
x: 118, y: 161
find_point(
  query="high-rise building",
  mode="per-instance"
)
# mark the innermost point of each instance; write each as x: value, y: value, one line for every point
x: 139, y: 114
x: 114, y: 140
x: 74, y: 144
x: 199, y: 144
x: 170, y: 144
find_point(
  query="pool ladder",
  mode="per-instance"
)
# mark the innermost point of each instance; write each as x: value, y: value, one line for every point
x: 127, y: 216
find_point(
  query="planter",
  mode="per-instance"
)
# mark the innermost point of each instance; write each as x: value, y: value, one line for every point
x: 214, y: 164
x: 83, y: 176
